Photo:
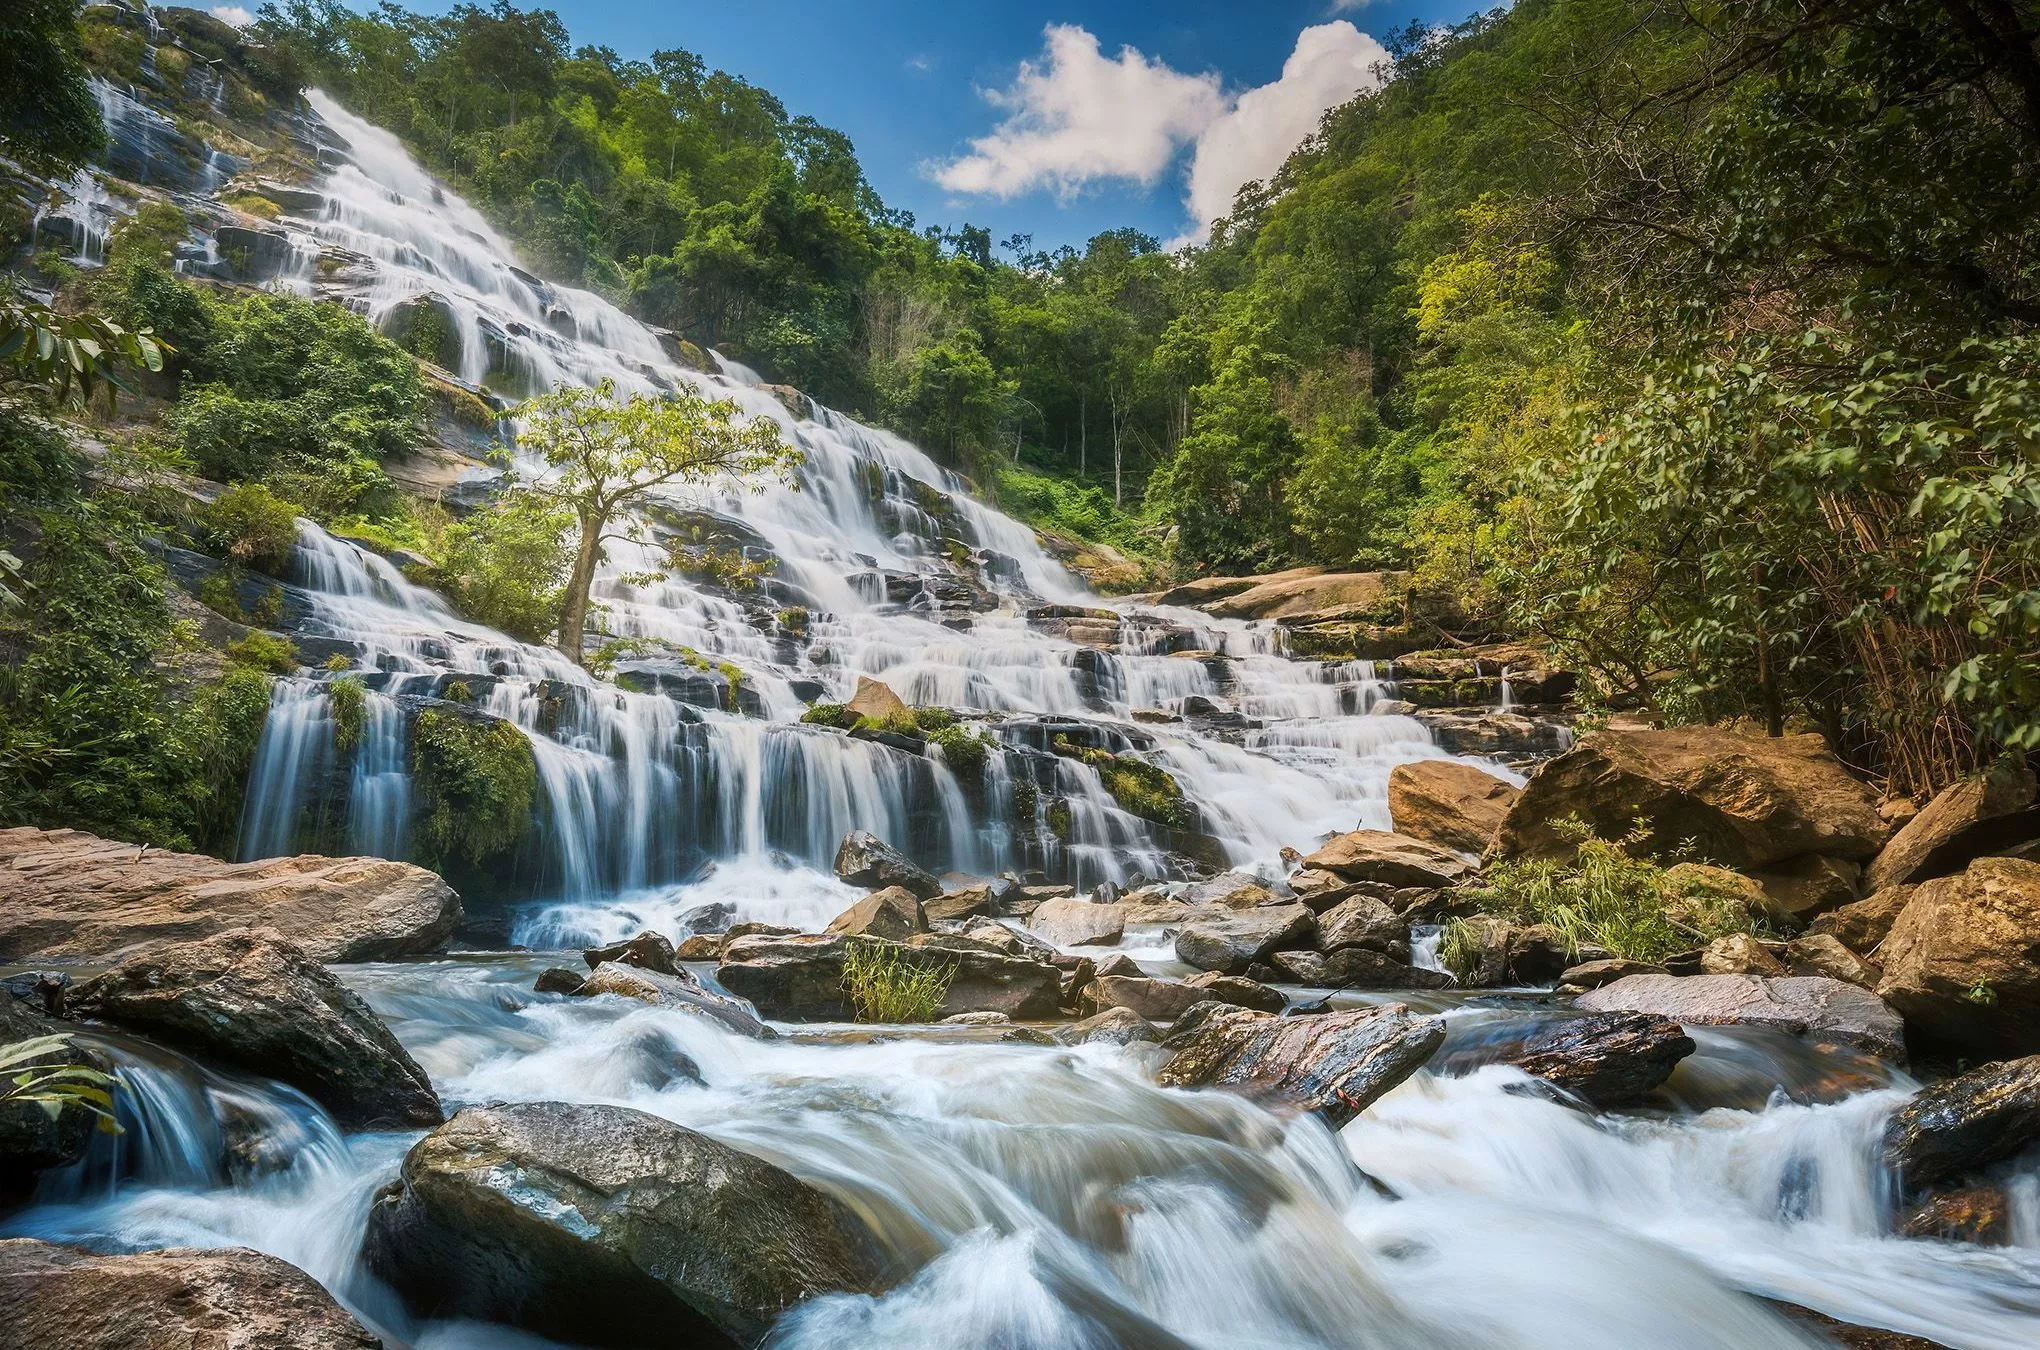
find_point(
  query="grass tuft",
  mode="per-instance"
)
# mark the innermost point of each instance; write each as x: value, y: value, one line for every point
x: 890, y: 984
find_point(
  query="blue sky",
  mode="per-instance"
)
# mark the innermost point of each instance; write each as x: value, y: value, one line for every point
x: 1084, y: 138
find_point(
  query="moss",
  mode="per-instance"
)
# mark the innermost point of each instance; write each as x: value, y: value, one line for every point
x: 794, y: 619
x: 1026, y: 805
x: 1142, y: 789
x: 965, y: 752
x: 932, y: 720
x: 348, y: 698
x: 476, y: 783
x: 263, y: 652
x: 830, y: 715
x: 254, y: 204
x: 457, y: 691
x: 1059, y: 819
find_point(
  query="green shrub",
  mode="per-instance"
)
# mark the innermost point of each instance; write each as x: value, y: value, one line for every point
x: 830, y: 715
x: 964, y: 751
x: 794, y: 619
x: 894, y: 984
x: 250, y: 525
x: 348, y: 699
x: 476, y: 783
x: 932, y: 720
x: 227, y: 715
x: 264, y: 653
x: 507, y: 566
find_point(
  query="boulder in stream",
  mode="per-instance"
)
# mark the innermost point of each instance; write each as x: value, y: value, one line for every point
x: 254, y: 1000
x: 1114, y: 1026
x: 1605, y: 1059
x: 1238, y: 939
x: 647, y: 951
x: 1151, y: 999
x: 1448, y: 803
x: 1800, y: 1004
x: 1078, y: 923
x: 679, y: 990
x: 61, y: 1298
x: 1390, y: 859
x: 894, y: 913
x: 1962, y: 961
x: 863, y: 859
x: 71, y: 897
x: 1362, y: 921
x: 801, y: 976
x: 1962, y: 1125
x: 602, y: 1225
x: 1334, y: 1064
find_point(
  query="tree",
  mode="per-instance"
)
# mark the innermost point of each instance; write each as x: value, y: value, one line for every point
x: 49, y: 121
x: 608, y: 456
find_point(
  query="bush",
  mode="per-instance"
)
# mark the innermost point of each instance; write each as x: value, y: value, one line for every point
x: 263, y: 652
x: 347, y: 697
x: 963, y: 751
x: 227, y: 718
x: 250, y: 525
x: 507, y: 566
x: 830, y: 715
x: 894, y: 984
x: 476, y: 782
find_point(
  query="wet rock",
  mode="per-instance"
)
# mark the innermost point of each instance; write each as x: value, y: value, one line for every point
x: 1114, y: 1026
x: 1962, y: 1125
x: 1821, y: 954
x: 257, y: 1001
x: 700, y: 947
x: 1811, y: 884
x: 1447, y: 803
x: 1854, y: 1337
x: 559, y: 980
x: 708, y: 919
x: 67, y: 896
x: 1233, y: 943
x: 1977, y: 1214
x: 1605, y: 1059
x: 1321, y: 890
x: 891, y: 913
x: 1739, y: 954
x: 755, y: 929
x: 977, y: 1019
x: 61, y: 1298
x: 998, y: 937
x: 1802, y: 1005
x: 1962, y: 823
x: 1365, y: 968
x: 801, y: 977
x: 1509, y: 953
x: 1745, y: 801
x: 863, y: 859
x: 1238, y: 991
x: 1390, y: 859
x: 676, y: 990
x: 606, y: 1226
x: 968, y: 903
x: 252, y: 255
x: 1593, y: 974
x: 876, y: 700
x: 1862, y: 926
x: 1078, y: 923
x: 1334, y: 1064
x: 1153, y: 911
x: 1962, y: 962
x: 647, y: 951
x: 1155, y: 1000
x: 1230, y: 890
x: 1362, y: 921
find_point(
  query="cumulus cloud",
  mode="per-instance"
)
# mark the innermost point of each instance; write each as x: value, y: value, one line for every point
x: 233, y: 14
x: 1331, y: 63
x: 1076, y: 116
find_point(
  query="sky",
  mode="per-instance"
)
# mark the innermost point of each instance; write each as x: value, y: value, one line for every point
x: 1056, y: 120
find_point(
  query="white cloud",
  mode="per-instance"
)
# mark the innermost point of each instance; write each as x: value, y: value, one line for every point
x: 233, y: 14
x: 1077, y: 117
x: 920, y: 64
x: 1331, y: 63
x: 1348, y: 6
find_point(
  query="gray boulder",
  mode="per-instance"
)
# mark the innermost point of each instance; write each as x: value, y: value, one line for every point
x: 1151, y: 999
x: 1335, y: 1064
x: 801, y: 976
x: 1362, y: 921
x: 648, y: 950
x: 677, y: 990
x: 1799, y: 1004
x: 1236, y: 941
x: 1114, y: 1026
x: 863, y: 859
x: 1605, y: 1059
x: 1078, y: 923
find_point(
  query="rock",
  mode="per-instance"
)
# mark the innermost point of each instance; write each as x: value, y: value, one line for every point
x: 995, y: 936
x: 1157, y: 911
x: 1862, y: 926
x: 1745, y: 801
x: 700, y: 947
x: 968, y: 903
x: 1738, y: 954
x: 1810, y: 884
x: 1334, y: 1064
x: 1078, y: 923
x: 1976, y: 1214
x: 1605, y: 1059
x: 754, y: 929
x: 602, y: 1225
x: 648, y: 951
x: 1115, y: 1026
x: 1154, y: 1000
x: 255, y: 1000
x: 1958, y: 1127
x: 1238, y: 991
x: 1365, y: 968
x: 892, y: 913
x: 1362, y: 921
x: 678, y: 990
x: 1233, y: 943
x: 802, y: 977
x: 977, y: 1019
x: 876, y: 700
x: 1594, y: 974
x: 1962, y: 963
x: 1802, y: 1005
x: 1821, y: 954
x: 76, y: 898
x: 707, y: 919
x: 61, y: 1298
x: 1230, y: 890
x: 1119, y: 963
x: 1295, y: 967
x: 558, y: 980
x: 1390, y: 859
x: 1509, y: 953
x: 1962, y: 823
x: 1447, y: 803
x: 863, y: 859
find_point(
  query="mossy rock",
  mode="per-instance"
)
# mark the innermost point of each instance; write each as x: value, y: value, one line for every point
x: 476, y: 783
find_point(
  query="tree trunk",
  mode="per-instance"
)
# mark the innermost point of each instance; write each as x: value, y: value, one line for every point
x: 574, y: 603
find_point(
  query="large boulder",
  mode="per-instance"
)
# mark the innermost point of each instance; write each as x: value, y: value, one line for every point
x: 1745, y: 801
x: 876, y: 700
x: 647, y: 951
x: 1799, y: 1004
x: 863, y: 859
x: 61, y: 1298
x: 679, y: 990
x: 1962, y: 1125
x: 605, y: 1226
x: 1154, y: 1000
x: 1238, y: 939
x: 1962, y: 963
x: 67, y: 896
x: 1448, y: 803
x: 893, y: 913
x: 1389, y: 859
x: 1078, y: 923
x: 1334, y: 1064
x: 1362, y: 921
x: 801, y: 977
x: 1863, y: 925
x: 1239, y: 991
x: 1605, y: 1059
x: 1963, y: 822
x: 255, y: 1000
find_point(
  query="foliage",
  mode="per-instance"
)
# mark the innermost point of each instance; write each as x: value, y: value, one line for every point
x: 56, y: 1087
x: 894, y: 984
x: 965, y: 752
x: 250, y: 525
x: 476, y: 783
x: 830, y: 715
x: 266, y: 653
x: 228, y: 716
x: 347, y: 700
x: 49, y: 121
x: 506, y: 565
x: 66, y: 356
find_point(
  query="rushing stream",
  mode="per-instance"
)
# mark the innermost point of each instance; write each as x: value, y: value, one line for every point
x: 1049, y: 1198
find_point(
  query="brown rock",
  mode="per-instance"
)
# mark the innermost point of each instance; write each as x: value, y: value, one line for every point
x: 1594, y: 974
x: 968, y: 903
x: 1155, y: 1000
x: 1822, y: 954
x: 679, y: 990
x: 1738, y: 954
x: 1114, y: 1026
x: 1238, y: 991
x: 876, y: 700
x: 1745, y: 801
x: 60, y: 1298
x: 1862, y: 926
x: 1239, y: 939
x: 1811, y: 884
x: 1362, y: 921
x: 1335, y: 1064
x: 1962, y: 963
x: 648, y: 950
x: 1605, y: 1059
x: 1078, y: 923
x: 801, y: 976
x: 67, y: 896
x: 1978, y: 1214
x: 1963, y: 822
x: 1447, y: 803
x: 1958, y: 1127
x: 891, y: 913
x: 558, y: 980
x: 1391, y: 859
x: 1119, y: 963
x: 700, y: 947
x: 1803, y: 1005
